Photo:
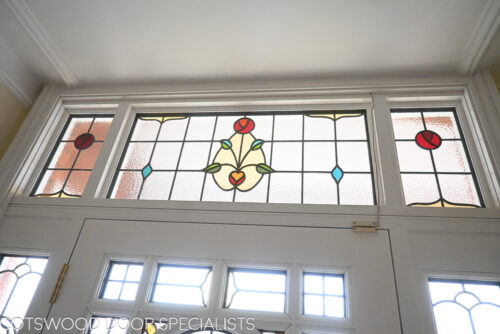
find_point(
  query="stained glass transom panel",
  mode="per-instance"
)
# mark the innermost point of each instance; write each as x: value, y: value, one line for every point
x: 320, y: 157
x: 19, y: 278
x: 465, y: 307
x: 69, y: 166
x: 435, y: 166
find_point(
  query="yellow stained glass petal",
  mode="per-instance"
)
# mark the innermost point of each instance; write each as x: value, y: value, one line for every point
x: 335, y: 116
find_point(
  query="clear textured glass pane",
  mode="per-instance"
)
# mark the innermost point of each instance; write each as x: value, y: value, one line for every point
x: 318, y: 128
x: 443, y: 123
x: 137, y: 155
x: 256, y: 195
x: 334, y: 307
x: 145, y: 130
x: 173, y: 129
x: 201, y: 128
x: 256, y: 301
x: 413, y: 158
x: 288, y: 127
x: 76, y: 127
x: 313, y: 305
x: 319, y: 156
x: 118, y: 271
x: 356, y: 189
x: 127, y: 185
x: 102, y: 325
x: 459, y: 188
x: 212, y: 192
x: 260, y: 281
x: 37, y: 264
x: 52, y: 182
x: 334, y: 285
x: 263, y: 127
x: 76, y: 183
x: 166, y: 156
x: 129, y: 291
x: 224, y: 128
x: 353, y: 156
x: 112, y: 290
x: 451, y: 318
x: 313, y: 284
x: 65, y: 156
x: 21, y: 296
x: 444, y: 290
x: 100, y: 127
x: 287, y: 156
x: 88, y: 157
x: 486, y: 319
x: 486, y: 293
x: 194, y: 156
x: 177, y: 295
x: 157, y: 186
x: 285, y: 188
x: 420, y: 188
x: 182, y: 275
x: 406, y: 124
x: 320, y: 188
x: 349, y: 128
x: 450, y: 157
x: 134, y: 273
x: 187, y: 186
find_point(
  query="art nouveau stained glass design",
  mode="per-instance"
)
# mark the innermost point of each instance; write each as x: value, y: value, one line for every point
x: 320, y: 157
x: 256, y: 290
x: 324, y: 295
x: 436, y: 169
x: 19, y: 278
x: 465, y: 307
x: 69, y: 166
x: 182, y: 285
x: 121, y: 281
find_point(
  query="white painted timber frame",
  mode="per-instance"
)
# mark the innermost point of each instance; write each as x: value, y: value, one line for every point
x: 425, y: 242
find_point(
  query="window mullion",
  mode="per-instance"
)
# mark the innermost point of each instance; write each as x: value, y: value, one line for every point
x: 93, y: 185
x: 391, y: 191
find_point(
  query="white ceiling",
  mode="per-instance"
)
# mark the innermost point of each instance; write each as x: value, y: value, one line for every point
x: 115, y: 41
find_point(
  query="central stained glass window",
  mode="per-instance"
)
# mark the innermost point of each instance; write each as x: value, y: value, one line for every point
x: 317, y: 157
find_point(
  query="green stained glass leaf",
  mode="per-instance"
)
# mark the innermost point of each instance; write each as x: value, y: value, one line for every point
x: 264, y: 169
x: 257, y: 144
x: 213, y: 168
x: 226, y: 144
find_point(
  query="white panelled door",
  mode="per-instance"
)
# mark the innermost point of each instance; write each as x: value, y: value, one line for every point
x: 364, y: 259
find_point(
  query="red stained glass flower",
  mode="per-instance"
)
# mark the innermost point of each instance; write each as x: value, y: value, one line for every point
x: 84, y: 141
x: 428, y: 140
x: 244, y: 125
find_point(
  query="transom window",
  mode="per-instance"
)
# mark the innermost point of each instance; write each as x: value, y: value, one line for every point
x: 19, y: 278
x: 121, y: 281
x: 320, y: 157
x: 184, y: 285
x: 465, y: 307
x: 324, y: 295
x: 256, y: 290
x: 435, y: 166
x: 69, y: 166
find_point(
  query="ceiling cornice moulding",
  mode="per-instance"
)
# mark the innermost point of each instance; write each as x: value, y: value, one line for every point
x: 485, y: 29
x: 42, y: 39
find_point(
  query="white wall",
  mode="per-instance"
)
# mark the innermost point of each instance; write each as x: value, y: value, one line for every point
x: 12, y: 115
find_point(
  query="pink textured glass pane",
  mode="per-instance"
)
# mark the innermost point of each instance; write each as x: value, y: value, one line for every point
x: 65, y: 155
x: 351, y: 128
x: 459, y: 189
x: 412, y: 158
x: 320, y: 189
x: 146, y: 130
x: 76, y: 127
x: 88, y: 157
x: 443, y: 123
x: 450, y: 157
x: 52, y: 182
x: 100, y: 127
x: 128, y: 185
x: 406, y: 125
x: 76, y: 183
x: 137, y: 156
x: 157, y: 185
x: 356, y: 189
x: 420, y: 188
x: 7, y: 282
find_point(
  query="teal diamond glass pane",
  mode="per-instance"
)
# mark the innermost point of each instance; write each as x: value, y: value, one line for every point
x: 146, y: 171
x: 337, y: 174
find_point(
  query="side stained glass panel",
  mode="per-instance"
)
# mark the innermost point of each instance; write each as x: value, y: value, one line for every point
x: 68, y: 169
x: 320, y: 157
x: 435, y: 166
